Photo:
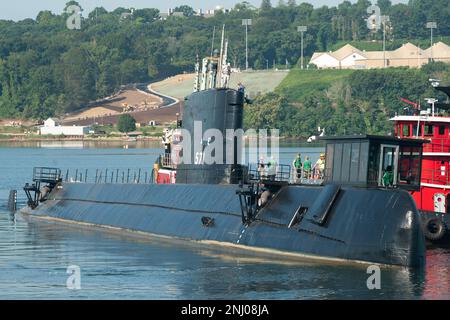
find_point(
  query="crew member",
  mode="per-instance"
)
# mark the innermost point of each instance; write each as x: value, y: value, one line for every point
x: 226, y: 75
x: 319, y: 167
x: 297, y: 166
x: 271, y: 169
x: 307, y: 168
x: 261, y: 168
x: 388, y: 177
x: 241, y: 87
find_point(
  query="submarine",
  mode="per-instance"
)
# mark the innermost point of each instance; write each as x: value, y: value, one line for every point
x: 351, y: 216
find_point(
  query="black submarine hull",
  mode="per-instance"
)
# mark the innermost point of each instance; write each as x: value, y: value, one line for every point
x: 363, y: 225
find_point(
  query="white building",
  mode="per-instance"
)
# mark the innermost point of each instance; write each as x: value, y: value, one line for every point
x: 52, y: 127
x: 344, y: 58
x: 408, y: 55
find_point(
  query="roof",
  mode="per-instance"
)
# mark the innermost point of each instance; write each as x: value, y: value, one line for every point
x: 406, y: 51
x: 421, y: 118
x: 440, y: 50
x: 345, y: 51
x: 316, y: 55
x: 320, y: 54
x: 372, y: 137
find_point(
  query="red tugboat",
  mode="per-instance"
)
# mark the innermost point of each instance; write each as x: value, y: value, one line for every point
x: 433, y: 199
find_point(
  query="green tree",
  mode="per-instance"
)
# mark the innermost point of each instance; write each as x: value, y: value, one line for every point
x: 385, y: 6
x: 187, y: 10
x: 126, y: 123
x: 292, y: 3
x: 266, y: 5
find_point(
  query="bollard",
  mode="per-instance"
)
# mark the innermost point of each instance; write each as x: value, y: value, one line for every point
x: 12, y: 201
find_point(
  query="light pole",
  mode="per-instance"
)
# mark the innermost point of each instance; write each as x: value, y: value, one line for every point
x: 302, y: 30
x: 384, y: 20
x: 246, y: 23
x: 431, y: 25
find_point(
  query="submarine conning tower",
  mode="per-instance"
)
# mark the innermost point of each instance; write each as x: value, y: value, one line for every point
x: 210, y: 113
x: 214, y: 109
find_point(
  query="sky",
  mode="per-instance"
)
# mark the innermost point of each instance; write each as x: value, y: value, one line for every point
x: 22, y: 9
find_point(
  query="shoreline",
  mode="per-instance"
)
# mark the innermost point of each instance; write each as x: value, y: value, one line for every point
x: 150, y: 139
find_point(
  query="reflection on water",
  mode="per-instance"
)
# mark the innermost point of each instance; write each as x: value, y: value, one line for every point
x: 34, y: 256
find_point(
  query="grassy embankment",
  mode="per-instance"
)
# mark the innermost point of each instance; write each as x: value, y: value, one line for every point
x: 301, y: 83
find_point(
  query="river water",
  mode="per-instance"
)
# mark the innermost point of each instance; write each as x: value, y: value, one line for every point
x: 34, y: 257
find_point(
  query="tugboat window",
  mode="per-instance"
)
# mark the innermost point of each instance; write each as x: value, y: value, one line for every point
x: 417, y: 133
x: 409, y: 166
x: 428, y: 129
x: 441, y: 130
x: 406, y: 130
x: 387, y: 175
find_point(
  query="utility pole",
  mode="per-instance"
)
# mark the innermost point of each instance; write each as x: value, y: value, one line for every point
x: 213, y: 38
x: 384, y: 21
x: 302, y: 30
x: 246, y: 23
x: 431, y: 25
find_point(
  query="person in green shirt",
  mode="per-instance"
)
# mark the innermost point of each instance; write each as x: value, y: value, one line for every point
x: 307, y: 168
x: 388, y: 177
x: 297, y: 167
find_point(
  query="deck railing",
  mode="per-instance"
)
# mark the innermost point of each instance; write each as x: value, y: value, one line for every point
x: 109, y: 176
x: 284, y: 174
x: 280, y: 174
x: 44, y: 174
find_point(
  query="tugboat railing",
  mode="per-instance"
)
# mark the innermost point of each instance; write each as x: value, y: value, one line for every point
x: 436, y: 176
x: 437, y: 145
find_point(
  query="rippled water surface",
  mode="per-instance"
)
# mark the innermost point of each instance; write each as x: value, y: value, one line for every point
x: 34, y: 257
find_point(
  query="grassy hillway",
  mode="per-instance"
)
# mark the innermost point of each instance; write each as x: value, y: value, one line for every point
x: 256, y: 82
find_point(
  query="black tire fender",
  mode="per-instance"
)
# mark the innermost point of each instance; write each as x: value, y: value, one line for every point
x: 434, y: 229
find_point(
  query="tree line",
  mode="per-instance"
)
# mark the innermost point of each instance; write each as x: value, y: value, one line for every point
x: 47, y: 69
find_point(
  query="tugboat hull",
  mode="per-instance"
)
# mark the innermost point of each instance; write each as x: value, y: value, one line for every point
x: 354, y: 229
